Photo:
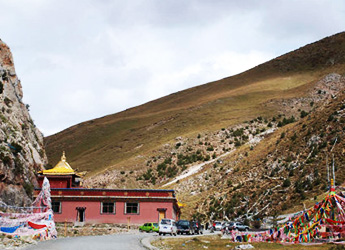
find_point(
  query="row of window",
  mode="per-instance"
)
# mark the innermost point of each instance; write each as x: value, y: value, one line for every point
x: 106, y: 207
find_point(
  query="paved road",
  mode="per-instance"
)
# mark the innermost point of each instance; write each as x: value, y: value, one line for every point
x: 127, y: 241
x: 106, y: 242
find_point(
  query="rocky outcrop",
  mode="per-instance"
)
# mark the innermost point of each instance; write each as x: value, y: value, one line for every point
x: 21, y: 143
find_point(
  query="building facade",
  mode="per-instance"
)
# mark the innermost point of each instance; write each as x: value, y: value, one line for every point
x: 73, y: 203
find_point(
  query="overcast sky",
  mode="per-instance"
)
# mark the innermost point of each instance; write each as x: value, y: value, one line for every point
x: 83, y: 59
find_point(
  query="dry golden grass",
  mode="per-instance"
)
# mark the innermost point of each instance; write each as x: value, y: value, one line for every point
x: 215, y: 243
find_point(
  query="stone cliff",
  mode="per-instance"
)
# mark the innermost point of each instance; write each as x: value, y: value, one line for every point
x: 21, y: 143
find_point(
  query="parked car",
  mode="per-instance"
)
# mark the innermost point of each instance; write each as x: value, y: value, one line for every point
x: 225, y: 224
x: 167, y: 226
x: 184, y: 227
x: 149, y: 227
x: 238, y: 226
x: 197, y: 227
x: 217, y: 226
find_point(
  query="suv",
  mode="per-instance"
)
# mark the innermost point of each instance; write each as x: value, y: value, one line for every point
x: 238, y: 226
x: 197, y: 227
x: 184, y: 226
x: 167, y: 226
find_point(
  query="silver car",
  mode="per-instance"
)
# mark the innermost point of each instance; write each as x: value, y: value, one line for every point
x: 238, y: 226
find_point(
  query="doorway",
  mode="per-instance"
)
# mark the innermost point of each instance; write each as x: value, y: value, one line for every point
x: 80, y: 214
x: 161, y: 213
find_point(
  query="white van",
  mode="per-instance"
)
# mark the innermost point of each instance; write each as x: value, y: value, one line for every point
x: 167, y: 226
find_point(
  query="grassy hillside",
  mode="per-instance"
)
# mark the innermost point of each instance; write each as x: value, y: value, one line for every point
x: 122, y: 139
x: 283, y: 174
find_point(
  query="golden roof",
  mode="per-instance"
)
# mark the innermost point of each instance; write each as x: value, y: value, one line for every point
x: 62, y: 168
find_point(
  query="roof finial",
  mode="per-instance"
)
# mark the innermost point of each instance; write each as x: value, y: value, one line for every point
x: 63, y: 157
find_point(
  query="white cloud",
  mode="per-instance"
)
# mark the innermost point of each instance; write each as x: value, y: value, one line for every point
x: 83, y: 59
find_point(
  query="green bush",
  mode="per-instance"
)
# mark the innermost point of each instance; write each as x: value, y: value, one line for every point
x: 238, y: 132
x: 148, y: 175
x: 161, y: 167
x: 287, y: 183
x: 172, y: 171
x: 303, y: 114
x: 237, y: 143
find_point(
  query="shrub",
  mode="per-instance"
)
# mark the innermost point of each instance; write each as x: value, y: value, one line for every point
x: 237, y: 143
x: 153, y: 180
x: 168, y: 160
x: 178, y: 145
x: 256, y: 224
x: 330, y: 118
x: 287, y: 183
x: 7, y: 101
x: 1, y: 87
x: 161, y: 167
x: 147, y: 176
x: 172, y: 171
x: 303, y: 114
x: 294, y: 137
x: 238, y: 132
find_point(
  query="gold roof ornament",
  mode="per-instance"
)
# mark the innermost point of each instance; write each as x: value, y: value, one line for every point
x: 179, y: 204
x: 62, y: 168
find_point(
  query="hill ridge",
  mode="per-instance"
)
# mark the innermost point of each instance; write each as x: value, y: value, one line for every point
x: 112, y: 141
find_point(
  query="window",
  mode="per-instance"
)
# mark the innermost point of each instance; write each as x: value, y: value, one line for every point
x: 108, y: 207
x: 56, y: 207
x: 132, y: 208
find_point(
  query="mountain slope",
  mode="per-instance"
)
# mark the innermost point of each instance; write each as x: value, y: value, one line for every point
x: 283, y: 173
x: 126, y: 139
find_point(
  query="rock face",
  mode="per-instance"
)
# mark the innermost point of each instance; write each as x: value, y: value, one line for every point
x: 21, y: 143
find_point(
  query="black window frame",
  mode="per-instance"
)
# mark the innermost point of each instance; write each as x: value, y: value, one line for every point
x: 56, y: 204
x: 108, y: 203
x: 137, y: 208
